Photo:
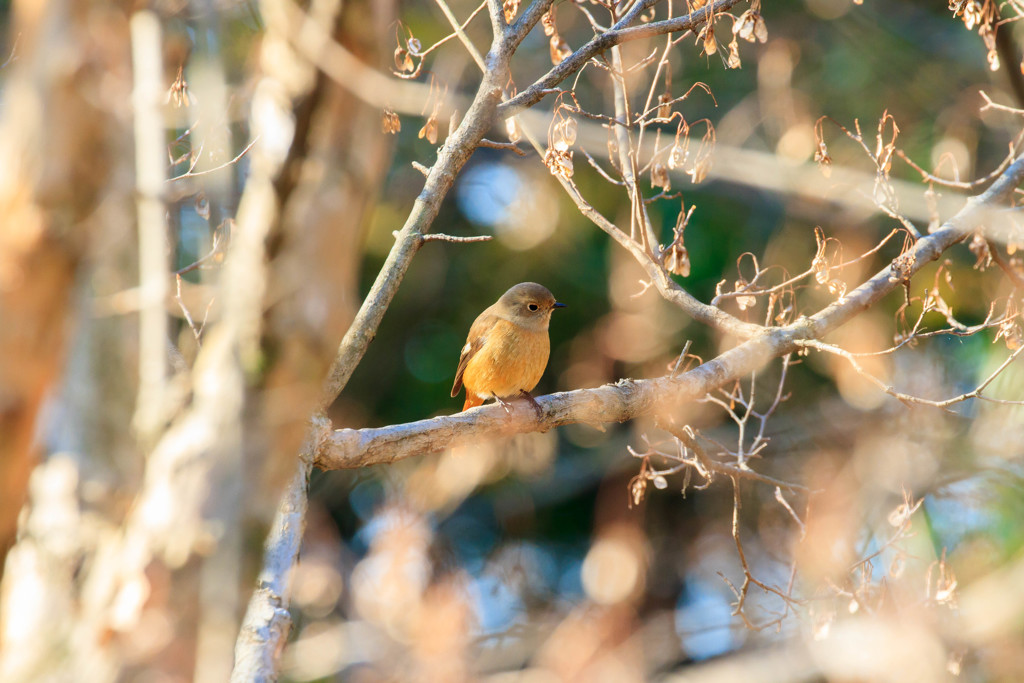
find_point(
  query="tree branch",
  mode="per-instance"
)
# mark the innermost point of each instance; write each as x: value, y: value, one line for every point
x: 461, y: 33
x: 983, y: 208
x: 624, y: 400
x: 527, y: 20
x: 267, y: 620
x: 627, y: 399
x: 621, y: 32
x: 498, y: 25
x: 667, y: 287
x: 451, y: 157
x: 266, y: 623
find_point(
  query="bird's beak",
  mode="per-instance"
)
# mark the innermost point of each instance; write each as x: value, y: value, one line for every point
x: 558, y: 304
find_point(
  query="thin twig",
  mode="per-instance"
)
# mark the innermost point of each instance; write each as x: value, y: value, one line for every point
x: 461, y: 33
x: 195, y: 174
x: 457, y: 239
x: 1016, y: 278
x: 511, y: 146
x: 908, y: 399
x: 621, y: 32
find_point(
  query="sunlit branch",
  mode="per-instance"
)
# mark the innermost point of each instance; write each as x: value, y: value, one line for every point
x: 621, y: 32
x: 974, y: 184
x: 751, y: 288
x: 707, y: 466
x: 459, y: 30
x: 748, y: 577
x: 207, y: 171
x: 909, y: 399
x: 1015, y: 277
x: 266, y: 623
x: 627, y: 399
x: 746, y: 167
x: 709, y: 315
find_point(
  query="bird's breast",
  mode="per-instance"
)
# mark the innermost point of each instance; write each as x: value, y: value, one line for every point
x: 511, y: 360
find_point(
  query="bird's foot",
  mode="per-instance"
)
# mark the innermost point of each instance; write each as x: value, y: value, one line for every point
x: 504, y: 404
x: 528, y: 397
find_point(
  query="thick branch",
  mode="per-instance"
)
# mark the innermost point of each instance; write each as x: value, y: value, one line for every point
x: 627, y: 399
x: 267, y: 620
x: 349, y: 448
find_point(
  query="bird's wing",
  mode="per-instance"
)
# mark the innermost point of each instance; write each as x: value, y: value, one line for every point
x: 474, y: 341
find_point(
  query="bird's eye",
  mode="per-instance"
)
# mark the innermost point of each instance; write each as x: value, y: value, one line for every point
x: 532, y: 307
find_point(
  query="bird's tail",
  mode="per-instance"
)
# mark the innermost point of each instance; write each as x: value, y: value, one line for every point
x: 472, y: 401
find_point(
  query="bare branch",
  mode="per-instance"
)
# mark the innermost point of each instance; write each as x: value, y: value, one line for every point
x: 619, y: 33
x: 983, y: 207
x: 497, y: 14
x: 709, y: 315
x: 267, y: 621
x: 511, y: 146
x: 348, y: 448
x: 147, y: 63
x: 457, y: 239
x: 1016, y: 278
x: 459, y: 30
x: 227, y: 164
x: 909, y: 399
x: 451, y: 157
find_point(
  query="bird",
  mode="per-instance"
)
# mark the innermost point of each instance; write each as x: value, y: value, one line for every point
x: 507, y: 347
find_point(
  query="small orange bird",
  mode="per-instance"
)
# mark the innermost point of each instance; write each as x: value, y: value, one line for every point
x: 507, y: 347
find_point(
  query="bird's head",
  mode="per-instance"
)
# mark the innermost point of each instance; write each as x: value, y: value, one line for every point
x: 529, y: 304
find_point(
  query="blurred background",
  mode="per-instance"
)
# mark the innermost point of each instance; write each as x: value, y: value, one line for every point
x: 536, y: 558
x: 541, y: 532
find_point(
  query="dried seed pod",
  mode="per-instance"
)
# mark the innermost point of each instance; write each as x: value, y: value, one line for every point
x: 678, y: 259
x: 665, y: 105
x: 982, y: 255
x: 510, y: 8
x: 403, y: 62
x: 837, y: 288
x: 637, y: 488
x: 751, y: 26
x: 1010, y: 332
x: 559, y: 163
x: 677, y: 156
x: 820, y: 267
x: 733, y: 59
x: 389, y: 121
x: 659, y: 176
x: 710, y: 44
x: 429, y: 129
x: 821, y: 156
x: 548, y: 22
x: 569, y: 130
x: 512, y: 129
x: 701, y: 165
x: 559, y: 49
x: 179, y: 92
x: 745, y: 301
